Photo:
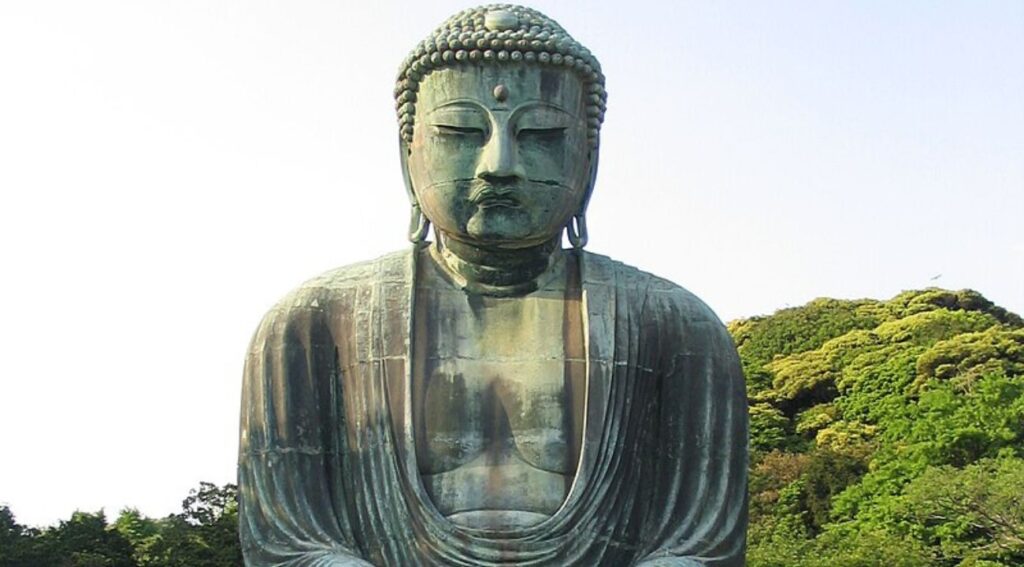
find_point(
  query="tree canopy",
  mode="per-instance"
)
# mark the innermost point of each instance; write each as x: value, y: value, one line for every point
x: 204, y: 534
x: 886, y: 432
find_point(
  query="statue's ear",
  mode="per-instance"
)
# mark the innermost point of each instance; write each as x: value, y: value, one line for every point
x: 403, y: 155
x: 591, y: 180
x: 576, y: 230
x: 419, y: 225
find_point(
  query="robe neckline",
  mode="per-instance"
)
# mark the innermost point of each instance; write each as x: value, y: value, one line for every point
x: 598, y: 302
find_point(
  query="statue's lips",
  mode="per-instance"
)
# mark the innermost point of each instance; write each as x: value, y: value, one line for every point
x: 489, y: 198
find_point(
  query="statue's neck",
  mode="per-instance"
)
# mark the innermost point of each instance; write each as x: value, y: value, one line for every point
x: 496, y: 271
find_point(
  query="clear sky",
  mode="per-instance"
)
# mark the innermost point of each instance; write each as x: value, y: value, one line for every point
x: 169, y: 169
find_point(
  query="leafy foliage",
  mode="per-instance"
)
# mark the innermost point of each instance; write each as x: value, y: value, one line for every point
x: 886, y: 432
x: 203, y: 535
x: 976, y: 512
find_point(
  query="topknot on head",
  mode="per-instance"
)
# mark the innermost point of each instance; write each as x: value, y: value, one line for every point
x: 499, y: 34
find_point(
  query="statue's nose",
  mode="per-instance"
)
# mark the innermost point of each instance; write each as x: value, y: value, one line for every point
x: 498, y: 160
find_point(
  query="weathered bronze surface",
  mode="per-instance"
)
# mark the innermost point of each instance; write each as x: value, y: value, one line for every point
x: 490, y: 398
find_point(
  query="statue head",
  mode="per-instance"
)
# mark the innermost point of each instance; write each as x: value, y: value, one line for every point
x: 499, y: 117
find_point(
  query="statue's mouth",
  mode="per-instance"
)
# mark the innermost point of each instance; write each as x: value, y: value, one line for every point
x: 490, y: 196
x: 497, y: 202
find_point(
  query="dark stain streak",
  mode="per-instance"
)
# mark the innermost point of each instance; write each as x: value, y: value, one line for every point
x: 550, y: 84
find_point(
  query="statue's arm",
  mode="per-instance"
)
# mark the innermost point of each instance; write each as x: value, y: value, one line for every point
x: 291, y: 504
x: 704, y: 422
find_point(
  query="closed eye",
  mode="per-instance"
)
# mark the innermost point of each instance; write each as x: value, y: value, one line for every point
x: 457, y: 130
x: 541, y: 133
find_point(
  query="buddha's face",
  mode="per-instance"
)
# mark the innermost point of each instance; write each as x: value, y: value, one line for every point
x: 499, y: 155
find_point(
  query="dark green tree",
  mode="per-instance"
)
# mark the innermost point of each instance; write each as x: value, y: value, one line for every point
x: 205, y: 534
x: 85, y: 540
x: 18, y: 544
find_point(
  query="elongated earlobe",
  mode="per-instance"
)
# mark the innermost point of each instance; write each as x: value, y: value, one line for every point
x: 419, y: 226
x: 576, y: 230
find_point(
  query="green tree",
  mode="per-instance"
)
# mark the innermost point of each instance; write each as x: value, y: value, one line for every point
x: 970, y: 514
x: 85, y: 540
x: 18, y: 543
x: 141, y: 532
x: 860, y: 406
x: 205, y: 534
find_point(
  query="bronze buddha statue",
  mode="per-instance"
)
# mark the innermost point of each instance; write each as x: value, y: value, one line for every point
x: 489, y: 398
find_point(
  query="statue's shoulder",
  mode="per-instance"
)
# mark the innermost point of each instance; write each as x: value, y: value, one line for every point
x: 664, y: 309
x: 388, y: 268
x: 652, y: 291
x: 344, y: 285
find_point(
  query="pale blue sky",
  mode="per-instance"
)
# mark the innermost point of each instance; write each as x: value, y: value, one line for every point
x: 169, y: 169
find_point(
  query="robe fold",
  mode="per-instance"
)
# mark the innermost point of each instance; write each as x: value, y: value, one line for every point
x: 327, y: 467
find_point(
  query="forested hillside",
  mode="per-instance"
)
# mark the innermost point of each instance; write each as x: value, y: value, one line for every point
x: 883, y: 433
x: 886, y: 432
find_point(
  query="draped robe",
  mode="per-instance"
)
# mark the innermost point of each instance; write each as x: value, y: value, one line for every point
x: 327, y: 468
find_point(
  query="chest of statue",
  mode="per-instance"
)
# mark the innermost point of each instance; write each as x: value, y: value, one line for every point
x: 498, y: 388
